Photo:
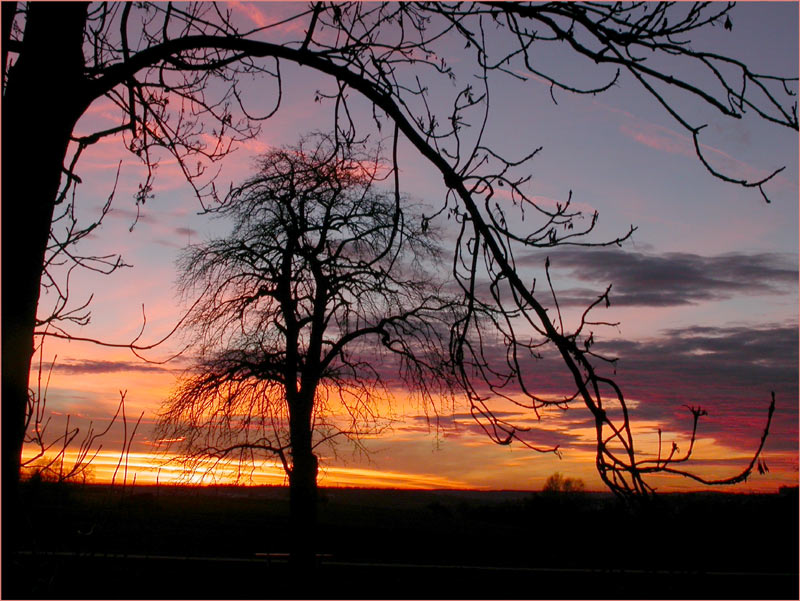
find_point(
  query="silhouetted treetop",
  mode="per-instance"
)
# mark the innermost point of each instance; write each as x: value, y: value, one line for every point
x: 318, y: 253
x: 322, y: 271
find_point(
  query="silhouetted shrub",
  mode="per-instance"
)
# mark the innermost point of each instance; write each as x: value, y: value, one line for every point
x: 559, y: 484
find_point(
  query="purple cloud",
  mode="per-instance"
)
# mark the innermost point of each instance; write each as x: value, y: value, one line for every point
x: 671, y: 279
x: 90, y: 366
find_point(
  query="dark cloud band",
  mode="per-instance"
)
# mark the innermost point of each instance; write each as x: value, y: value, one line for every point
x: 669, y: 279
x: 89, y: 366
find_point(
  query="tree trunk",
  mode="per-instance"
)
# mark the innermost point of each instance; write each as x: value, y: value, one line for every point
x: 42, y: 102
x: 302, y: 488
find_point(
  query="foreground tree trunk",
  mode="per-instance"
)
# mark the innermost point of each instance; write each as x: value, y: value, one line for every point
x: 41, y: 105
x: 302, y: 489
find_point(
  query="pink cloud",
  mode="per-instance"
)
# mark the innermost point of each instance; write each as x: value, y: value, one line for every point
x: 252, y: 11
x: 97, y: 115
x: 666, y: 140
x: 658, y: 138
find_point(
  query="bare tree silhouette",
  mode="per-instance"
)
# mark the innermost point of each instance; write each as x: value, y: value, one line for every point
x: 51, y: 448
x: 556, y: 483
x: 175, y: 72
x: 320, y: 272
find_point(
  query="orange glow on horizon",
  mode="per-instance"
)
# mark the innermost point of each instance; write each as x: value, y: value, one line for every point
x: 151, y: 468
x: 403, y: 453
x: 142, y: 468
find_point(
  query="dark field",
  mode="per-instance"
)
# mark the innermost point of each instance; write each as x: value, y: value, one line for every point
x: 229, y: 543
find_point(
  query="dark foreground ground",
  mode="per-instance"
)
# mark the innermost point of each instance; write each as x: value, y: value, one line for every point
x: 225, y: 543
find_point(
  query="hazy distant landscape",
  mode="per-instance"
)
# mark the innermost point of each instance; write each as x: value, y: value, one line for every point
x: 229, y: 542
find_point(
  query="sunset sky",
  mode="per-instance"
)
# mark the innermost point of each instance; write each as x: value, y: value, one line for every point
x: 706, y: 291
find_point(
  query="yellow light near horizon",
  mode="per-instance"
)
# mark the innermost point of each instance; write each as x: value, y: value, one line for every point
x: 151, y: 468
